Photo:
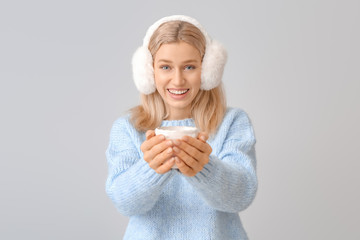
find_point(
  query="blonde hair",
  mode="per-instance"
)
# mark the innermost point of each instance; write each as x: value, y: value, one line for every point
x: 207, y: 109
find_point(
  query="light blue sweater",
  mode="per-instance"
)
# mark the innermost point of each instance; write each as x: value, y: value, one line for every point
x: 174, y: 206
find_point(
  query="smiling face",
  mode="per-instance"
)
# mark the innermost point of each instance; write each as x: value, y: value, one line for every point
x: 177, y: 72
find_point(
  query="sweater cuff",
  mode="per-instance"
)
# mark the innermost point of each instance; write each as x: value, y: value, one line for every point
x: 143, y: 173
x: 207, y: 174
x: 136, y: 190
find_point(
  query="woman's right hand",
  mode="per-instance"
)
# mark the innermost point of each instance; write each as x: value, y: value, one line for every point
x: 158, y: 152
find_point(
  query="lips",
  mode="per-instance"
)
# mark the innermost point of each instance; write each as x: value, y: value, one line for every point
x: 177, y: 91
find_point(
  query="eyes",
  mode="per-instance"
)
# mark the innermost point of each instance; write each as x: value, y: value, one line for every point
x: 167, y: 67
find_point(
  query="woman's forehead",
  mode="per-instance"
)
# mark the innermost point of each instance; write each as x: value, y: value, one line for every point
x: 177, y: 51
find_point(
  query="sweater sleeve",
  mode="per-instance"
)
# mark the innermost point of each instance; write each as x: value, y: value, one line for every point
x: 131, y: 184
x: 228, y: 182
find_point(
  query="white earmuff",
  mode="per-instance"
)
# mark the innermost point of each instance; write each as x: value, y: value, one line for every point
x: 212, y: 65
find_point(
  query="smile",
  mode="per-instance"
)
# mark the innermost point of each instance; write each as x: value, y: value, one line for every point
x: 178, y: 92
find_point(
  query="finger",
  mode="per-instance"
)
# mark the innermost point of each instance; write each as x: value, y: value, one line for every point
x: 198, y: 144
x: 149, y: 134
x: 157, y: 149
x: 188, y: 159
x: 203, y: 136
x: 183, y: 168
x: 160, y: 158
x: 194, y: 151
x: 149, y: 143
x: 164, y: 168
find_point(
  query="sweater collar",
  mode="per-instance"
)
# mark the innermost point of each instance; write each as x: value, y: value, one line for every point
x: 183, y: 122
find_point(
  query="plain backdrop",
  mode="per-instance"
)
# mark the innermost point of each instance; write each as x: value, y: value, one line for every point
x: 65, y: 71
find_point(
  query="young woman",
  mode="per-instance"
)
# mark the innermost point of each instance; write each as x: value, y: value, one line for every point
x: 178, y: 70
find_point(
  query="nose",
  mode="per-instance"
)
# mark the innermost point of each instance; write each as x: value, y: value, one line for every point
x: 178, y: 78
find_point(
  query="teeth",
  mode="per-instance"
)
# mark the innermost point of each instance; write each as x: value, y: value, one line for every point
x: 178, y: 92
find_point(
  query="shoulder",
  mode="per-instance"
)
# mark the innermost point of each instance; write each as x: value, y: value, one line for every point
x: 236, y: 116
x: 123, y: 126
x: 122, y: 121
x: 123, y: 134
x: 236, y: 125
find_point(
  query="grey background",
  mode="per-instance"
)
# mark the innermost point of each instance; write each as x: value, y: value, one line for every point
x: 66, y: 76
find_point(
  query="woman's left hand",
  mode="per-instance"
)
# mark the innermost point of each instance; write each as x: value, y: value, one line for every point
x: 192, y: 154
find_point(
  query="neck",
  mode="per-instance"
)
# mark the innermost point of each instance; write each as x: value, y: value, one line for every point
x: 179, y: 114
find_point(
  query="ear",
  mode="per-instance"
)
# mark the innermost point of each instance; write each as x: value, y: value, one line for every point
x: 143, y: 71
x: 213, y: 65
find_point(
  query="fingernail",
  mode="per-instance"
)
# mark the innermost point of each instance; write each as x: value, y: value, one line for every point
x: 177, y: 160
x: 169, y: 150
x: 185, y: 138
x: 162, y: 137
x: 169, y: 143
x: 176, y: 149
x: 203, y: 138
x: 176, y: 142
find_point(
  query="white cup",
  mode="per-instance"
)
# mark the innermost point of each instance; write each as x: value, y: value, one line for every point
x: 177, y: 132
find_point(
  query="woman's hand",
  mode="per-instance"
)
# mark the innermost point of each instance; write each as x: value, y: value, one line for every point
x: 158, y: 152
x: 192, y: 154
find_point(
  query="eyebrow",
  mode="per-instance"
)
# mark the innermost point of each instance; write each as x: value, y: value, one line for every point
x: 168, y: 61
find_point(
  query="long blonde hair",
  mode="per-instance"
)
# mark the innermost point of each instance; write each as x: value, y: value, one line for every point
x: 207, y: 109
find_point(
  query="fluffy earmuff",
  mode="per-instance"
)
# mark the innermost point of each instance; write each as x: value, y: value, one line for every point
x: 212, y: 65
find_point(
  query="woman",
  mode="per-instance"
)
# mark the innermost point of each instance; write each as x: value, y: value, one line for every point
x: 178, y: 70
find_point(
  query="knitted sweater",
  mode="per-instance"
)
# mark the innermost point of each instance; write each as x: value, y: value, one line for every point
x: 174, y: 206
